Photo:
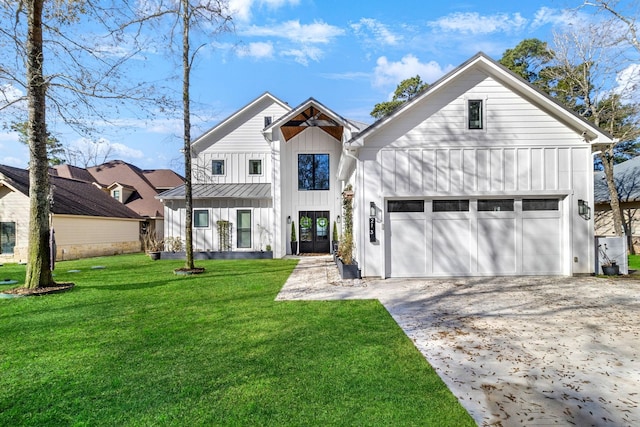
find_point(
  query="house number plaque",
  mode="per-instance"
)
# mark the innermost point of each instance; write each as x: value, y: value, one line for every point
x: 372, y: 229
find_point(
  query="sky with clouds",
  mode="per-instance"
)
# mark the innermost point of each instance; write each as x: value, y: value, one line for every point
x: 347, y: 55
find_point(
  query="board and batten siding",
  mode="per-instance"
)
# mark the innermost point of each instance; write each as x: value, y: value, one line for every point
x: 288, y: 198
x: 522, y: 151
x: 237, y: 145
x: 207, y: 238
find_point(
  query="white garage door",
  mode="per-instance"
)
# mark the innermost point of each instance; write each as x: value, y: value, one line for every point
x: 473, y: 237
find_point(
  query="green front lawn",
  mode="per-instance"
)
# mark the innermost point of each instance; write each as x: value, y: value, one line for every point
x: 132, y: 344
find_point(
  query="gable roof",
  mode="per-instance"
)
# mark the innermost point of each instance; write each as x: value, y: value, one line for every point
x: 505, y: 76
x: 227, y: 121
x: 142, y: 200
x: 627, y: 178
x: 70, y: 196
x: 312, y: 113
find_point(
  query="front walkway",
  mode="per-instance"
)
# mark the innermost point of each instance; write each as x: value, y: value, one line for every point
x: 514, y: 350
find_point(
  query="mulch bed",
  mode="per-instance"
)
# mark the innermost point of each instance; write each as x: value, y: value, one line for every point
x: 188, y: 271
x: 58, y: 287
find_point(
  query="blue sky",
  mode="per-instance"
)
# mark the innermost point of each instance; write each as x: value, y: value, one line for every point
x: 347, y: 55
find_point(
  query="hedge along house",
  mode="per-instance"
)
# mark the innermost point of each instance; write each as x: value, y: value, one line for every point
x: 481, y: 174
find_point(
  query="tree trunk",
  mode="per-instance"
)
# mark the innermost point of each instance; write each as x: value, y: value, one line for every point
x: 186, y: 67
x: 607, y: 162
x: 39, y: 256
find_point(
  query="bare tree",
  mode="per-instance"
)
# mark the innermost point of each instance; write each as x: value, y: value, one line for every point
x: 83, y: 80
x: 628, y: 16
x: 585, y: 75
x: 211, y: 17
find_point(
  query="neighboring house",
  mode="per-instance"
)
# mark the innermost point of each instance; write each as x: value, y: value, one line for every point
x: 87, y: 221
x: 480, y: 174
x: 132, y: 186
x: 627, y: 178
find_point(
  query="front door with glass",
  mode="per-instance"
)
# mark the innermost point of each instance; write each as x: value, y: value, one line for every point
x: 314, y: 231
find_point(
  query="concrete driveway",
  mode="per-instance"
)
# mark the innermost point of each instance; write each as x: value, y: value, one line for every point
x: 515, y: 351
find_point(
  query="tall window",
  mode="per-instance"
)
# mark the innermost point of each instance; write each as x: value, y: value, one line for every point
x: 200, y: 218
x: 244, y: 229
x: 217, y: 167
x: 475, y: 114
x: 116, y: 194
x: 267, y: 121
x: 255, y: 167
x: 7, y: 237
x: 313, y: 171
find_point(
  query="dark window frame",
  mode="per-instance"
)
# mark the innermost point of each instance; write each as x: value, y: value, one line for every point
x: 475, y: 114
x: 255, y: 161
x: 310, y: 178
x: 222, y: 170
x: 242, y: 232
x: 196, y: 217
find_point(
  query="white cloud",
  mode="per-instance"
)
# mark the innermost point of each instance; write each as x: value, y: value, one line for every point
x: 380, y: 33
x: 123, y: 151
x: 242, y: 10
x: 303, y: 56
x: 318, y: 32
x: 556, y: 18
x: 258, y: 50
x: 474, y: 23
x: 392, y: 73
x: 628, y: 82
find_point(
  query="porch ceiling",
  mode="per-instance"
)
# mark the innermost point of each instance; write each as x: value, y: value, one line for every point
x: 312, y: 117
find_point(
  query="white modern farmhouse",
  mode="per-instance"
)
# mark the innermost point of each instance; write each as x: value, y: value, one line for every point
x: 480, y: 174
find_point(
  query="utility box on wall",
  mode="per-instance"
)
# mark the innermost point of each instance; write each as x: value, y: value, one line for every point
x: 615, y: 248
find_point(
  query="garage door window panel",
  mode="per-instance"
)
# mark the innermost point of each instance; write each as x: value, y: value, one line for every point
x: 496, y: 205
x: 451, y: 206
x: 405, y: 206
x: 540, y: 204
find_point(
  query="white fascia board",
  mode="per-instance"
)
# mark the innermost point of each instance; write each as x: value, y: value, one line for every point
x: 233, y: 116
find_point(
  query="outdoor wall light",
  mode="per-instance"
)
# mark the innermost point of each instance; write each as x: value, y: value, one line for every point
x: 372, y: 209
x: 583, y: 209
x: 289, y: 219
x: 338, y: 219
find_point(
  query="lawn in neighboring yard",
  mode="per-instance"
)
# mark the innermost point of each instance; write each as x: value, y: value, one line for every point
x: 133, y: 344
x: 634, y: 262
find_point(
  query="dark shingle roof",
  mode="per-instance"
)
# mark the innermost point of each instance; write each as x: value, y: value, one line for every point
x: 627, y: 179
x: 72, y: 197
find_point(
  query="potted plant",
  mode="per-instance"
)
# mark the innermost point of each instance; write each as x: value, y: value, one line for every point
x: 153, y: 246
x: 294, y: 239
x: 609, y: 266
x: 334, y: 239
x: 347, y: 266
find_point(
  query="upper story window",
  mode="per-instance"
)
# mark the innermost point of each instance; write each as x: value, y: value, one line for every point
x: 313, y: 171
x: 217, y: 167
x: 475, y: 113
x: 255, y: 167
x: 116, y: 194
x: 267, y: 120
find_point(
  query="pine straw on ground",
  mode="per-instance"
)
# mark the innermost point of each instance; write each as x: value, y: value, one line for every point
x: 41, y: 290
